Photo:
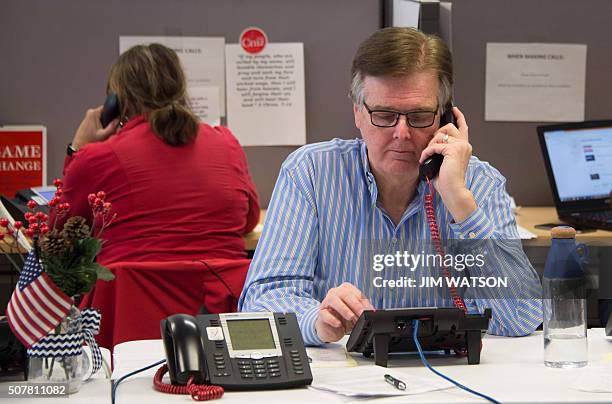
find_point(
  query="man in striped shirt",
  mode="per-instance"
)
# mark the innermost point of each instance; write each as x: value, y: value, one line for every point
x: 333, y: 201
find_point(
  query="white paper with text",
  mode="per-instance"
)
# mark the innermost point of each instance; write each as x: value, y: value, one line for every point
x: 535, y: 82
x: 265, y: 95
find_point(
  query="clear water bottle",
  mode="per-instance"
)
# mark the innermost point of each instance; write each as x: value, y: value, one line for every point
x: 564, y: 286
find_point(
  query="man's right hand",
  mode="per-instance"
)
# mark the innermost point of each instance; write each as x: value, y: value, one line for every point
x: 339, y: 312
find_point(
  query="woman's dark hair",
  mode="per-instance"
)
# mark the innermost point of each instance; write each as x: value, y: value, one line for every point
x: 149, y: 80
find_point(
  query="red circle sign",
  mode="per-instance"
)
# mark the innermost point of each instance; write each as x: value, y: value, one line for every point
x: 253, y: 40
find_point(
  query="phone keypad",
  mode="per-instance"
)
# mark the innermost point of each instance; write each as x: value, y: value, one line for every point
x: 269, y: 367
x: 259, y: 368
x: 245, y: 368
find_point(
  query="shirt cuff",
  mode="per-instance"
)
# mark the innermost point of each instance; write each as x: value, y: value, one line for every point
x: 476, y: 226
x: 307, y: 326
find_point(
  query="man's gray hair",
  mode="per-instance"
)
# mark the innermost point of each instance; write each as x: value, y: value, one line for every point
x: 398, y: 52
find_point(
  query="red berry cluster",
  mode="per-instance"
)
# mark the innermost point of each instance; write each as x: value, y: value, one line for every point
x: 13, y: 231
x: 4, y: 223
x: 37, y: 221
x: 101, y: 210
x: 37, y: 224
x: 98, y: 204
x: 61, y: 208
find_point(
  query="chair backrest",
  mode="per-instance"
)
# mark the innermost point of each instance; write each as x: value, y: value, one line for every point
x: 144, y: 293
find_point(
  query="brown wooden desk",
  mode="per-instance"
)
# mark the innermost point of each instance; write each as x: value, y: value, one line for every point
x: 251, y: 239
x: 528, y: 217
x: 598, y: 267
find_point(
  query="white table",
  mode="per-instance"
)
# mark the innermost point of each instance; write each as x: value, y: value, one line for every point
x: 511, y: 371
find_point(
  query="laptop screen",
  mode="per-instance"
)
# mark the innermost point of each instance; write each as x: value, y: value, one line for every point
x: 581, y: 162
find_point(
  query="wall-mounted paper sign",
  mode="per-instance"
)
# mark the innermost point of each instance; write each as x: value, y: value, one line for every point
x: 265, y: 94
x: 205, y: 104
x: 202, y: 58
x: 23, y: 158
x: 535, y: 82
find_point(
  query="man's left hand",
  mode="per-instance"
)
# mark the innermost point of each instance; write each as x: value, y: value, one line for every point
x: 453, y: 143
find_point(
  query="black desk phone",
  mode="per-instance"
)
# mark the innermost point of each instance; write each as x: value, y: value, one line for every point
x: 442, y: 328
x: 18, y: 206
x: 431, y: 166
x: 237, y: 351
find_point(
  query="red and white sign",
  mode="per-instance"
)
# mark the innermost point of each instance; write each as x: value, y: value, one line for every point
x: 23, y: 158
x: 253, y: 40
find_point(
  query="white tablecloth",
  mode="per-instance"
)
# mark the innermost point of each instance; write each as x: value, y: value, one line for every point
x: 511, y: 371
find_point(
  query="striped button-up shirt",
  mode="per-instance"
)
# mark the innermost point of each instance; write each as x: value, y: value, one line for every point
x: 324, y: 213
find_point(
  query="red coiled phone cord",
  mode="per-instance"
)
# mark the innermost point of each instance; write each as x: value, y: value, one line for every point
x: 199, y: 392
x: 435, y: 236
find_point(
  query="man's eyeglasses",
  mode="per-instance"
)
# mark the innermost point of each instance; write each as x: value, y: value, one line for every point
x: 388, y: 119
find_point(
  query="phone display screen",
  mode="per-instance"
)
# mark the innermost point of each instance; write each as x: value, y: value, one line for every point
x: 250, y: 334
x: 45, y: 193
x: 48, y: 195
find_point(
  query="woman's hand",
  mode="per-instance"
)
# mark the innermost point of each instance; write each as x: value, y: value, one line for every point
x: 90, y: 130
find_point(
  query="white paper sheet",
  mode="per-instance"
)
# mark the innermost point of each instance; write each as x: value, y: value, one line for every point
x: 265, y: 95
x: 205, y: 104
x: 595, y: 379
x: 406, y: 13
x: 535, y: 82
x: 332, y: 355
x: 368, y: 381
x: 203, y: 59
x: 525, y: 234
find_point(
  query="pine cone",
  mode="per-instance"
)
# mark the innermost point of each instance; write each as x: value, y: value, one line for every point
x: 53, y: 244
x: 75, y: 228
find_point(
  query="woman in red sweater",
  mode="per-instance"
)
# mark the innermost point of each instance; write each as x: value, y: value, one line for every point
x: 181, y: 189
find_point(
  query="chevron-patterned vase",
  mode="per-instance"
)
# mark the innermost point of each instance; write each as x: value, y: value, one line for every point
x: 57, y: 359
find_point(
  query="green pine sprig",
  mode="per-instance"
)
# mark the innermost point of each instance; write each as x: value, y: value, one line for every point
x: 73, y: 268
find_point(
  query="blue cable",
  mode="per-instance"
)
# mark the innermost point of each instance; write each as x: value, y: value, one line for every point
x: 415, y: 328
x: 122, y: 378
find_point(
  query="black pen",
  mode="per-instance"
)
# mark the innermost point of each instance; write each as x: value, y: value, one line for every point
x: 398, y: 384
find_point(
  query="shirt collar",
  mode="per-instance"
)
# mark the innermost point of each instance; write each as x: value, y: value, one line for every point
x: 133, y: 122
x: 369, y: 176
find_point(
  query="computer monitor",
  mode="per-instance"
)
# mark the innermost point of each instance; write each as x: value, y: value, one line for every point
x: 578, y: 159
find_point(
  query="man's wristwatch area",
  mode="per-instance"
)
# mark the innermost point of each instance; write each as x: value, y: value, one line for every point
x: 70, y: 150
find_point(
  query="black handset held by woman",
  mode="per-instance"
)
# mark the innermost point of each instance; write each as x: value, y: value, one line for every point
x: 110, y: 110
x: 431, y: 166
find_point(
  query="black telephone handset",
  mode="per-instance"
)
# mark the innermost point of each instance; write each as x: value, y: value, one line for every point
x: 237, y: 351
x: 184, y: 358
x: 110, y: 110
x: 431, y: 166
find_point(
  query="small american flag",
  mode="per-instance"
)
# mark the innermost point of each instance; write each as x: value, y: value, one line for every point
x: 37, y: 304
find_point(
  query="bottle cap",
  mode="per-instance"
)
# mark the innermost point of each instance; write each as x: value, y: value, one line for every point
x: 563, y: 232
